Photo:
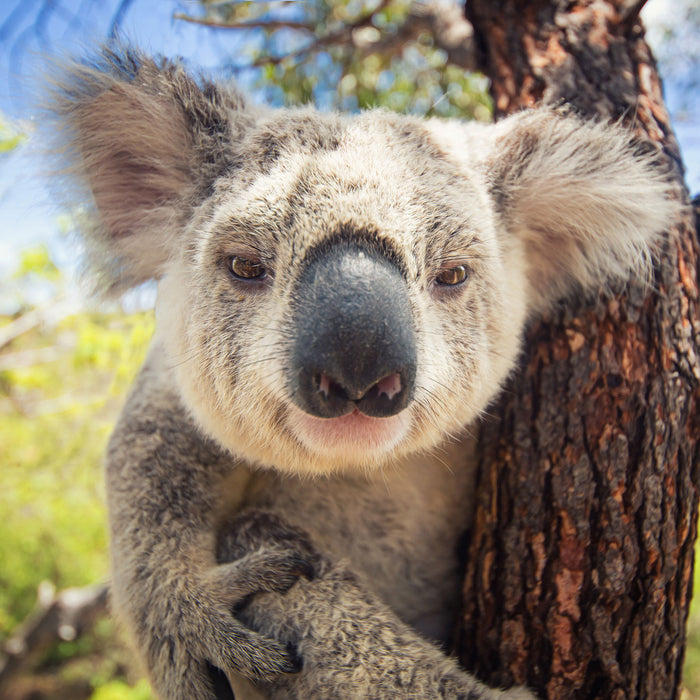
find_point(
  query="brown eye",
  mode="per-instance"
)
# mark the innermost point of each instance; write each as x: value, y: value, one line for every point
x: 245, y: 269
x: 453, y: 276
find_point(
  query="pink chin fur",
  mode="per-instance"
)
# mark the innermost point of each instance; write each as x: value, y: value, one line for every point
x: 351, y: 434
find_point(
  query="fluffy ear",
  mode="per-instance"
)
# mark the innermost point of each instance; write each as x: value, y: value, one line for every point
x: 145, y: 139
x: 583, y: 199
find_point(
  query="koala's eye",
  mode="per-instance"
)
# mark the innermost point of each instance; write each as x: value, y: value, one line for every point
x: 245, y: 269
x: 453, y: 276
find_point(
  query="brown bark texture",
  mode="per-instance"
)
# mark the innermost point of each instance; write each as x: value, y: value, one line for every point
x: 579, y: 565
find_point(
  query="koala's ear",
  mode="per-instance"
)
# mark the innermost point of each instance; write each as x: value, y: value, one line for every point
x: 583, y: 199
x: 145, y: 140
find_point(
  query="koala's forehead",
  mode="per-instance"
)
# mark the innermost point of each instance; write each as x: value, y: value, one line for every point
x: 300, y: 176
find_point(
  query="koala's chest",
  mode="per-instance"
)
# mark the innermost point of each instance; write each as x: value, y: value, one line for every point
x: 400, y: 530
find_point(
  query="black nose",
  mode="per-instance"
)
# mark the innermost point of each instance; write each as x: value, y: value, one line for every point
x: 354, y: 340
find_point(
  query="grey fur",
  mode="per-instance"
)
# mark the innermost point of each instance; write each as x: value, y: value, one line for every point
x: 223, y: 496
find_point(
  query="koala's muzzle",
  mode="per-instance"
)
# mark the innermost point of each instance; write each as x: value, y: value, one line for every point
x: 354, y: 341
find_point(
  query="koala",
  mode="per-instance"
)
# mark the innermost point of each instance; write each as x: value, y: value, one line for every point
x: 340, y: 297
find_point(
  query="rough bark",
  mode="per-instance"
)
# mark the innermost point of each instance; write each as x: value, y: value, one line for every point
x: 579, y: 567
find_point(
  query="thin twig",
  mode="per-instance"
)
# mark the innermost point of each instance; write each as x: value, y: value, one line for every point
x: 51, y: 314
x: 271, y: 25
x: 118, y: 18
x: 628, y: 10
x: 337, y: 38
x: 29, y: 358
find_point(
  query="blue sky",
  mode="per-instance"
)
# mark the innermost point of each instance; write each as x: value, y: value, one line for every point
x: 27, y: 215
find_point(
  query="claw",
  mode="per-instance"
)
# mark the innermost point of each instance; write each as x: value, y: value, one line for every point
x: 297, y: 663
x: 235, y: 648
x: 304, y: 568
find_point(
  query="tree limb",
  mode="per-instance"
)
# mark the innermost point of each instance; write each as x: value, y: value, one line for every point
x: 444, y: 21
x: 450, y: 30
x: 118, y: 18
x: 63, y: 616
x: 50, y: 314
x: 628, y: 10
x: 268, y: 24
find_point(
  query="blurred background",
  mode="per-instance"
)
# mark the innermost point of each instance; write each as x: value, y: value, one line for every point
x: 66, y: 363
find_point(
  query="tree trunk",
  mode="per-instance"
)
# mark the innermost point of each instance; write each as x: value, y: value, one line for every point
x: 579, y: 569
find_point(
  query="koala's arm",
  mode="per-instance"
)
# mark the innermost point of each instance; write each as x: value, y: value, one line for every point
x: 163, y: 478
x: 352, y: 645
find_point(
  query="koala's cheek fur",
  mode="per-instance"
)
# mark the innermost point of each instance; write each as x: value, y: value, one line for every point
x: 232, y: 390
x: 469, y: 346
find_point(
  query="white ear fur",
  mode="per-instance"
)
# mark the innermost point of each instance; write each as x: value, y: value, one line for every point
x: 135, y: 151
x: 583, y: 199
x: 143, y: 137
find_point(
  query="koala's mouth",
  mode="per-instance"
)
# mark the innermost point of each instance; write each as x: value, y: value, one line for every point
x: 353, y: 437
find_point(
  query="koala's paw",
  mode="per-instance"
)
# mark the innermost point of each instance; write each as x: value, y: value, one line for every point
x: 207, y: 648
x: 211, y: 643
x: 354, y: 646
x: 256, y: 528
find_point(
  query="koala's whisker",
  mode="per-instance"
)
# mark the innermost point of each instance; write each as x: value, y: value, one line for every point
x: 443, y: 462
x: 280, y: 350
x: 284, y: 332
x: 466, y: 257
x: 437, y: 382
x: 186, y: 358
x: 259, y: 360
x: 450, y: 390
x: 429, y: 412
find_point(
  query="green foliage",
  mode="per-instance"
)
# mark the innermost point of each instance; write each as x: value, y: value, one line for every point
x: 691, y: 669
x: 56, y: 419
x: 62, y: 383
x: 10, y: 136
x: 36, y: 262
x: 351, y: 54
x: 118, y: 690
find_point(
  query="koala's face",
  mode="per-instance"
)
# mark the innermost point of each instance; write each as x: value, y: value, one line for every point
x: 336, y: 292
x: 343, y: 298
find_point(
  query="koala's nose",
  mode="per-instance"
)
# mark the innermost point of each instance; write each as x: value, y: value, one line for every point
x: 354, y: 340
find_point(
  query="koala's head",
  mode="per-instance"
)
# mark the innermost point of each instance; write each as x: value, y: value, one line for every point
x: 337, y: 291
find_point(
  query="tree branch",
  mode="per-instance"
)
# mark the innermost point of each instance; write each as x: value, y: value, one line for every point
x: 269, y: 24
x: 450, y: 30
x: 628, y: 10
x: 50, y: 314
x: 118, y: 17
x: 442, y: 19
x: 57, y: 617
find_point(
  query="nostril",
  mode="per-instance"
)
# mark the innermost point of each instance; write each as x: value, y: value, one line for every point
x: 388, y: 396
x: 329, y: 387
x: 323, y: 382
x: 389, y: 386
x: 384, y: 397
x: 320, y: 394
